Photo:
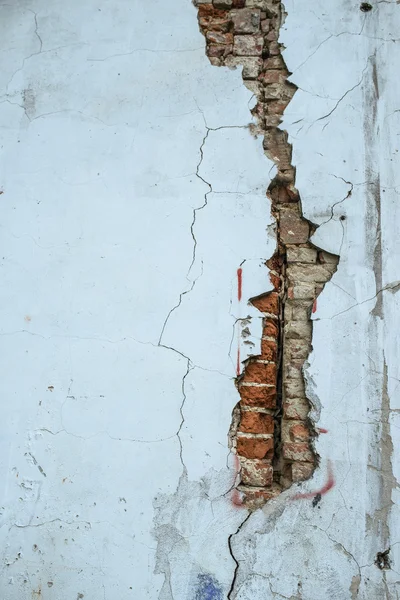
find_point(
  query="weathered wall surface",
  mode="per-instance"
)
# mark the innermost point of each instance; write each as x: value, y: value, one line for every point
x: 132, y: 192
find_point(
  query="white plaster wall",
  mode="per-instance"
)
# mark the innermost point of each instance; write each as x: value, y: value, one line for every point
x: 132, y: 193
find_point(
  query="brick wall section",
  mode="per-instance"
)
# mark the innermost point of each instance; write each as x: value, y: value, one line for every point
x: 271, y: 432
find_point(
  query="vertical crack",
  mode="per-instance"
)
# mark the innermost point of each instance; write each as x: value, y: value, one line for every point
x: 273, y: 435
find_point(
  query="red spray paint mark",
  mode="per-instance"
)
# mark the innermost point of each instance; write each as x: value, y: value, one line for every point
x: 324, y: 490
x: 240, y: 279
x: 236, y: 497
x: 238, y: 369
x: 314, y: 307
x: 322, y: 430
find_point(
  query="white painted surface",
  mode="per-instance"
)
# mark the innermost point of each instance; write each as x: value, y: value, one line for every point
x: 111, y: 139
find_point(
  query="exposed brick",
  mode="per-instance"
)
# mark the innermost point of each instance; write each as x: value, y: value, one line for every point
x: 217, y: 37
x: 292, y: 229
x: 274, y: 62
x: 223, y: 4
x: 265, y: 25
x: 266, y: 5
x: 272, y: 91
x: 294, y: 388
x: 255, y: 447
x: 276, y: 281
x: 309, y: 273
x: 218, y: 50
x: 256, y: 372
x: 256, y: 473
x: 302, y: 471
x: 245, y: 45
x: 297, y: 268
x: 325, y: 257
x: 253, y: 86
x: 298, y: 310
x: 274, y: 49
x: 295, y: 431
x: 302, y: 255
x: 297, y: 452
x: 256, y: 422
x: 296, y: 408
x: 301, y: 291
x: 246, y: 20
x: 254, y: 498
x: 282, y: 194
x: 206, y: 10
x: 272, y: 77
x: 272, y: 120
x: 258, y: 396
x: 293, y: 369
x: 277, y: 107
x: 269, y: 350
x: 297, y: 349
x: 298, y: 330
x: 269, y: 303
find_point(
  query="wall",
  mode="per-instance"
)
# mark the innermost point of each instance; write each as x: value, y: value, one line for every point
x: 133, y: 189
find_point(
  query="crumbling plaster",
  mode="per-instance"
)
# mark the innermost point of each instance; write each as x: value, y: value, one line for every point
x: 132, y: 191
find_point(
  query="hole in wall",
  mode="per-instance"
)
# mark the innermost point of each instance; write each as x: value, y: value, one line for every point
x: 382, y: 560
x: 365, y: 6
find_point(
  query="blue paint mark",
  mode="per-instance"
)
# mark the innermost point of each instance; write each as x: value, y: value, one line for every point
x: 208, y: 588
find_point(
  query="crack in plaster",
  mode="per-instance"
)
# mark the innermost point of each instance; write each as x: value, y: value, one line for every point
x: 230, y: 538
x: 393, y: 287
x: 345, y: 94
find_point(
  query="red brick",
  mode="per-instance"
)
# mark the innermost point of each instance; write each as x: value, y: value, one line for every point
x: 269, y: 350
x: 293, y: 229
x: 271, y: 328
x: 276, y: 281
x: 256, y: 422
x: 256, y: 372
x: 274, y: 62
x: 217, y: 37
x: 265, y: 25
x: 269, y: 303
x: 261, y: 397
x: 297, y: 452
x: 218, y: 50
x: 221, y: 24
x: 272, y: 76
x: 255, y: 447
x: 299, y: 432
x: 256, y: 473
x: 282, y: 194
x: 206, y: 10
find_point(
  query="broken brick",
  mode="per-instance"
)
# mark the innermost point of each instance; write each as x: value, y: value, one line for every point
x: 258, y: 372
x: 256, y: 422
x: 255, y: 447
x: 258, y: 396
x: 246, y: 20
